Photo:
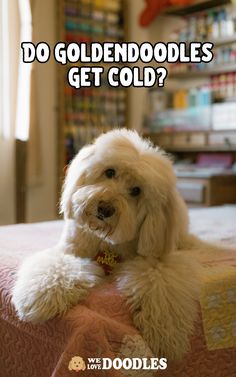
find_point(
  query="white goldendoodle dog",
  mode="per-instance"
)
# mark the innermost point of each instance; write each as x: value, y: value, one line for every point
x: 120, y: 202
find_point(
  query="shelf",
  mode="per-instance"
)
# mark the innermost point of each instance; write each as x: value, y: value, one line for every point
x: 197, y: 6
x: 171, y: 133
x: 165, y: 140
x: 204, y: 73
x: 224, y: 40
x: 221, y: 41
x: 207, y: 148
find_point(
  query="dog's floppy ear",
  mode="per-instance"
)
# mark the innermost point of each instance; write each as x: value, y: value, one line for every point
x: 74, y: 178
x: 163, y: 227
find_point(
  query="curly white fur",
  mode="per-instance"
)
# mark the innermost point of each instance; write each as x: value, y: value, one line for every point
x: 49, y: 282
x: 147, y: 226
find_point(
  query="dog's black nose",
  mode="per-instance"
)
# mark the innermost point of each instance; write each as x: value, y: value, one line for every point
x: 105, y: 210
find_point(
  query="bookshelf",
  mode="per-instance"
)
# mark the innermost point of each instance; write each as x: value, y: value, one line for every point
x: 186, y: 141
x: 203, y: 19
x: 227, y: 68
x: 201, y: 187
x: 86, y: 112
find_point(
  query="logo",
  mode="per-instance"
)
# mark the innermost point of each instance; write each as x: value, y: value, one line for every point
x: 77, y: 364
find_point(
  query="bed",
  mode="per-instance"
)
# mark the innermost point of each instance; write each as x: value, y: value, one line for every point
x: 101, y: 326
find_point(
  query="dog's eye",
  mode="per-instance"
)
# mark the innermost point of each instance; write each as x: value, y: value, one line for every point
x: 110, y: 173
x: 135, y: 191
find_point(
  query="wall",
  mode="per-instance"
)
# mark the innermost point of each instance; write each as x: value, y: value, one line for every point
x: 41, y: 197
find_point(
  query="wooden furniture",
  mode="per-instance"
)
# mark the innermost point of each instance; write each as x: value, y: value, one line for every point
x: 201, y: 187
x: 208, y: 189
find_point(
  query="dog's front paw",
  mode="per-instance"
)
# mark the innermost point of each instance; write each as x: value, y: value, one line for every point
x: 50, y: 282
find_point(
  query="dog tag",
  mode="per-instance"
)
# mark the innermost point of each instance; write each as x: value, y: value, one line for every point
x: 107, y: 260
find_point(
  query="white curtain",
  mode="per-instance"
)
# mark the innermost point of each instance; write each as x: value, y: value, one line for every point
x: 7, y: 139
x: 27, y: 129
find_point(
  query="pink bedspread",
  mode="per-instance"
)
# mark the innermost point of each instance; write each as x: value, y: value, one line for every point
x: 99, y: 327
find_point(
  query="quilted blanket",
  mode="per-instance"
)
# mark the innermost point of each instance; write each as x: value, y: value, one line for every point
x: 100, y: 328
